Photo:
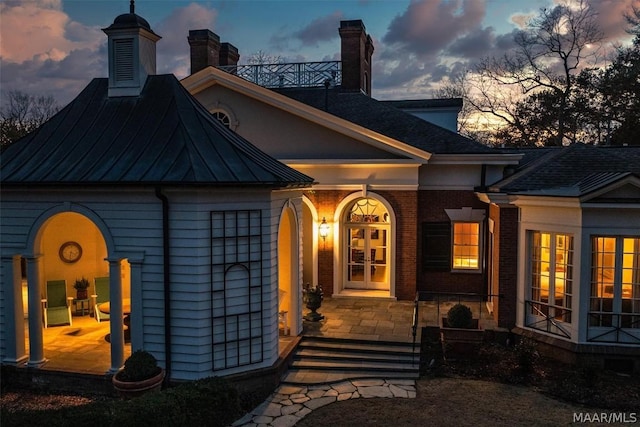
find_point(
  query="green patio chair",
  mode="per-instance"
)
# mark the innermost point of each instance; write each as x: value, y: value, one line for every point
x: 101, y: 296
x: 56, y: 306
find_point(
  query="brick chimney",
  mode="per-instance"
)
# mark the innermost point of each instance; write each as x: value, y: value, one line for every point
x: 205, y: 49
x: 356, y: 52
x: 228, y: 54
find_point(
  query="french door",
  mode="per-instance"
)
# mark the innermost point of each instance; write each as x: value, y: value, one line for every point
x: 367, y: 255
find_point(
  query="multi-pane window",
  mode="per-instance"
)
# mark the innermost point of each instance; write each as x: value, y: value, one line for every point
x: 222, y: 117
x: 551, y: 266
x: 466, y: 245
x: 615, y: 282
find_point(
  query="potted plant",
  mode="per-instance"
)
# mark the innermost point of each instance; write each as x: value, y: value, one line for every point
x: 140, y: 374
x: 81, y: 286
x: 312, y: 297
x: 460, y: 333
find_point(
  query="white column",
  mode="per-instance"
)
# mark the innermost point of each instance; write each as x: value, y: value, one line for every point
x: 136, y: 326
x: 13, y: 312
x: 116, y: 315
x: 36, y: 346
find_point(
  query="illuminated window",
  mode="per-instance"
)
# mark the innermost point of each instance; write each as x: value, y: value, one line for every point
x: 615, y: 282
x: 466, y: 245
x: 551, y: 266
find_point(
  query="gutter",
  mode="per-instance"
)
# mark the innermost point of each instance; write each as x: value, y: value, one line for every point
x: 166, y: 275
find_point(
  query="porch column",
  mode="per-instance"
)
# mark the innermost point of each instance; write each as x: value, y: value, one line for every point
x: 13, y: 312
x: 116, y: 315
x: 136, y: 326
x: 36, y: 345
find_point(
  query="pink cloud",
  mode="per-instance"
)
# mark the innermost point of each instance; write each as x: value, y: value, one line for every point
x: 38, y: 29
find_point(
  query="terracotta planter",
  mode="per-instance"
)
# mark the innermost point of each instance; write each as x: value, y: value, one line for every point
x: 129, y: 389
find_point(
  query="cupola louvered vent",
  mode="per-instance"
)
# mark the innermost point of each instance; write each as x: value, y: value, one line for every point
x: 123, y: 55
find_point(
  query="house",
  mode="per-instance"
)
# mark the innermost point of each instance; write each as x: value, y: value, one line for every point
x: 209, y: 218
x: 186, y: 218
x: 567, y: 228
x: 415, y: 208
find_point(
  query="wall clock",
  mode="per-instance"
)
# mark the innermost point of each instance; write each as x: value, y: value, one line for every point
x: 70, y: 252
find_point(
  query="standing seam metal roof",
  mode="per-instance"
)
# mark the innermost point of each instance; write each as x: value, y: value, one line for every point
x: 163, y: 136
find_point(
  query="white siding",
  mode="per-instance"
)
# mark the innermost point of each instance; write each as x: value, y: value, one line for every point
x: 132, y: 223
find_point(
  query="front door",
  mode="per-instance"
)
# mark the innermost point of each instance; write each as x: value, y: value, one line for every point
x: 367, y: 257
x: 367, y: 239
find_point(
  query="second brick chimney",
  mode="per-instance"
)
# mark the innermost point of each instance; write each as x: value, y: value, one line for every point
x: 206, y: 50
x: 356, y: 52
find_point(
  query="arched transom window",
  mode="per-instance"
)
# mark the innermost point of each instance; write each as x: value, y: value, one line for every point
x: 223, y: 117
x: 368, y: 210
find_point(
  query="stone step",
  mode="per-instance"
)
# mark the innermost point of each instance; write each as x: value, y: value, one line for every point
x: 345, y: 364
x: 320, y: 359
x: 356, y: 355
x: 348, y: 345
x: 307, y: 376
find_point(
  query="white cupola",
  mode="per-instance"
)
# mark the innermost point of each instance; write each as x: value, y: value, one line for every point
x: 132, y: 53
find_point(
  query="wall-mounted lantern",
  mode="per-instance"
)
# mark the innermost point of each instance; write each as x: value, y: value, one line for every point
x: 323, y: 229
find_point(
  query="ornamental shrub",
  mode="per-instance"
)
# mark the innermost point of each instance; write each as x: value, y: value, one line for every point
x: 459, y: 316
x: 141, y: 365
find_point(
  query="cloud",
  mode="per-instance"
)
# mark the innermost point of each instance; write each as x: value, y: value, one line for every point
x: 317, y: 31
x: 42, y: 51
x: 41, y: 28
x: 173, y: 48
x: 610, y: 17
x: 474, y: 44
x: 428, y: 26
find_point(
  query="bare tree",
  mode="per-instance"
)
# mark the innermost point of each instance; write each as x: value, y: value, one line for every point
x: 23, y: 113
x: 263, y: 58
x: 549, y: 53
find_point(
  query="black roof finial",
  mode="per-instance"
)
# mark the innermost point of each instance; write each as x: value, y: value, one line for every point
x: 132, y: 7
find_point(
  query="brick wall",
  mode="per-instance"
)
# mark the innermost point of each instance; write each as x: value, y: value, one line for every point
x: 405, y: 207
x: 431, y: 208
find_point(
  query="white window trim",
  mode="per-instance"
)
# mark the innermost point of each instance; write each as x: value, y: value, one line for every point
x: 468, y: 215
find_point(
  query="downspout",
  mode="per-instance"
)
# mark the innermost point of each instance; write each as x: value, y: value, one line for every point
x: 166, y: 274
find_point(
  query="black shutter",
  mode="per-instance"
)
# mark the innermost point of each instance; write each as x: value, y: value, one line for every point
x: 436, y: 246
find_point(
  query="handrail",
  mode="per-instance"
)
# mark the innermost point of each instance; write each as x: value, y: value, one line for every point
x: 617, y: 328
x: 547, y: 320
x: 424, y: 296
x: 296, y: 74
x: 414, y: 327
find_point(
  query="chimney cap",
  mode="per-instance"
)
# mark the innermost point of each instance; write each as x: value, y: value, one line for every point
x: 354, y: 23
x: 203, y: 34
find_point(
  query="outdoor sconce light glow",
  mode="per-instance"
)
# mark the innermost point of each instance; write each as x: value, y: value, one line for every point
x: 324, y: 229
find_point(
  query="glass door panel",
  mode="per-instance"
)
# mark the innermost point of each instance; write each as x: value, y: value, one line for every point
x: 355, y: 257
x: 378, y: 258
x: 367, y: 257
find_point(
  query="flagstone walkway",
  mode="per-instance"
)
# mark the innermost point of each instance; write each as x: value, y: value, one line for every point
x: 289, y: 404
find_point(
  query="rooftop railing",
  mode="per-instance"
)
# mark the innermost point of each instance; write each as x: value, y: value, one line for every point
x: 298, y: 74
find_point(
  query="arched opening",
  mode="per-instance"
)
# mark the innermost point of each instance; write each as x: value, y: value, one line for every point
x: 366, y: 246
x: 309, y: 242
x: 68, y: 247
x: 288, y: 274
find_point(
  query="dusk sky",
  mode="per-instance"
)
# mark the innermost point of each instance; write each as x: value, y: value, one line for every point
x: 54, y: 47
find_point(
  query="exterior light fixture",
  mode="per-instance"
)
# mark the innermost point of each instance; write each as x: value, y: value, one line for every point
x: 324, y: 229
